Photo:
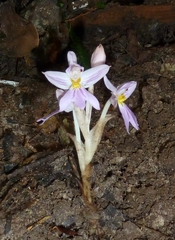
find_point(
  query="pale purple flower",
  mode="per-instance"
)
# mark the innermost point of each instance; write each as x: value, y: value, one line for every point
x: 75, y: 80
x: 98, y: 56
x: 119, y: 95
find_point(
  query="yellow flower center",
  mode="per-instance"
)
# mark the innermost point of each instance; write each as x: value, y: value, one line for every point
x: 76, y: 83
x: 121, y: 98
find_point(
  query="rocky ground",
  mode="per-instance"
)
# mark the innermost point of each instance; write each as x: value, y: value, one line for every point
x: 133, y: 180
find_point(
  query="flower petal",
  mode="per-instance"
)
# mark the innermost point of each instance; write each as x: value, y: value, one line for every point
x: 79, y: 98
x: 66, y: 100
x: 59, y: 79
x: 128, y: 117
x: 59, y: 95
x: 109, y: 85
x: 127, y: 89
x: 71, y: 58
x: 124, y: 113
x: 113, y: 101
x: 69, y: 108
x: 93, y: 75
x: 42, y: 120
x: 132, y: 119
x: 75, y: 67
x: 91, y: 99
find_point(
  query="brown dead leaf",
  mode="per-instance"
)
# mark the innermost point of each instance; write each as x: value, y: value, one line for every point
x: 21, y: 35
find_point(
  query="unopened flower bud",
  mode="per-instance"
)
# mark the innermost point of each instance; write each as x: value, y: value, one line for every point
x: 98, y: 56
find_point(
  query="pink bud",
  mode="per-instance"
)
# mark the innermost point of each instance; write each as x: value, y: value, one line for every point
x: 98, y: 56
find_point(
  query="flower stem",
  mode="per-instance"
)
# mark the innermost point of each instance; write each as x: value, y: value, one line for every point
x: 77, y: 128
x: 105, y: 109
x: 86, y: 183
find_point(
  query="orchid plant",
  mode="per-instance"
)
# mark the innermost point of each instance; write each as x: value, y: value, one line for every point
x: 76, y: 93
